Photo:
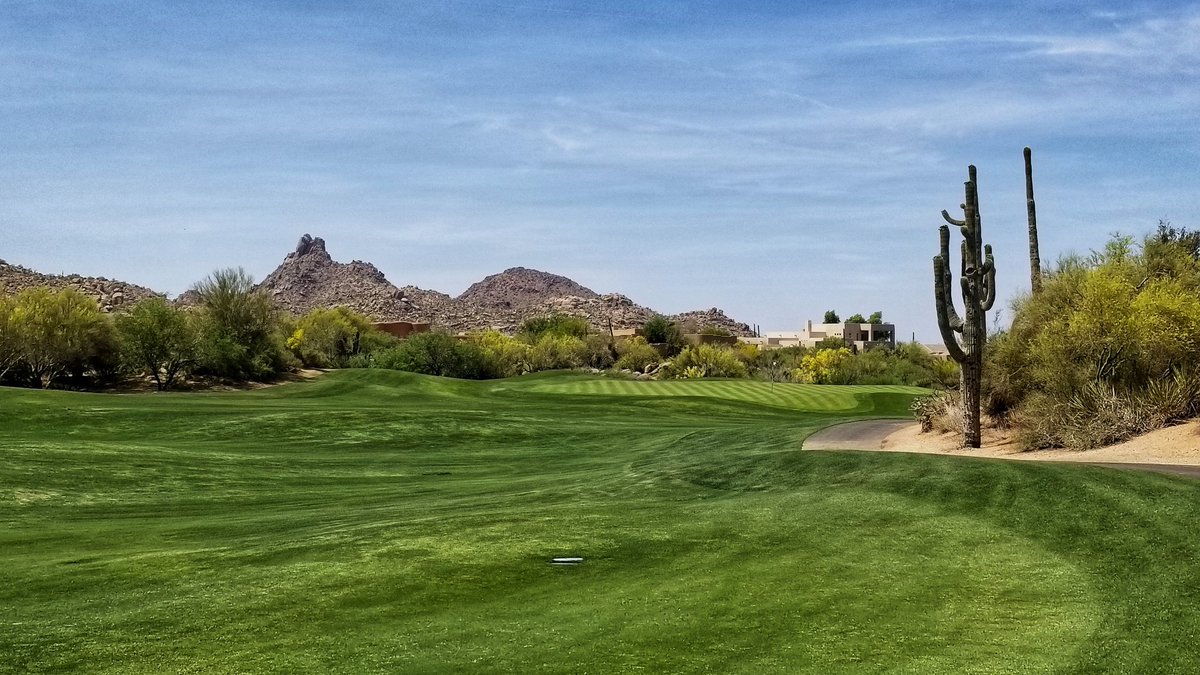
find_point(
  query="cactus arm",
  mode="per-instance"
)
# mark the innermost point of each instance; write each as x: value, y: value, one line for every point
x: 989, y: 278
x: 940, y: 293
x: 952, y: 316
x: 953, y: 221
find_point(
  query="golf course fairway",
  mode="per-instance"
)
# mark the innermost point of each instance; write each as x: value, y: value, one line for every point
x: 376, y: 521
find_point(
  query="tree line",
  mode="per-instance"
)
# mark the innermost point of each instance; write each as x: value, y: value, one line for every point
x: 235, y: 333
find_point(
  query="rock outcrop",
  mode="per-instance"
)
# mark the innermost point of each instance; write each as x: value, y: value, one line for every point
x: 110, y: 294
x: 309, y: 278
x: 700, y: 319
x: 521, y: 288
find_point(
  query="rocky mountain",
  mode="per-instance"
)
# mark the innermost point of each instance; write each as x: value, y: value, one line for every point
x: 521, y: 288
x: 309, y: 278
x: 110, y: 294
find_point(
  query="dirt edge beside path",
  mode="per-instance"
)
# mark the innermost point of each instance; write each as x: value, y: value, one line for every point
x: 1174, y: 449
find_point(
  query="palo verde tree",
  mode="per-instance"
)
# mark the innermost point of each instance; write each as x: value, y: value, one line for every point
x: 157, y: 339
x: 978, y: 282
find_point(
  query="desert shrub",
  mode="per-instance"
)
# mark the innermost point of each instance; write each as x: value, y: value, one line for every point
x: 1099, y: 415
x: 636, y: 355
x: 509, y: 356
x: 158, y: 340
x: 940, y: 412
x: 821, y: 366
x: 561, y: 325
x: 907, y: 364
x: 599, y: 351
x: 1103, y: 329
x: 435, y: 353
x: 716, y: 330
x: 553, y: 352
x: 748, y: 353
x: 773, y: 364
x: 707, y: 361
x: 328, y: 338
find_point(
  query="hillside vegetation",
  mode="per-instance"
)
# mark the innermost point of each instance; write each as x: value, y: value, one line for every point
x: 1109, y: 348
x: 373, y: 520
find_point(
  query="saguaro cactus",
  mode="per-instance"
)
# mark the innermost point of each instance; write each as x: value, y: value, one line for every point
x: 1035, y: 260
x: 978, y: 282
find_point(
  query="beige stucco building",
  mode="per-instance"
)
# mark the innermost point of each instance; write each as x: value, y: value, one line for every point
x: 857, y: 336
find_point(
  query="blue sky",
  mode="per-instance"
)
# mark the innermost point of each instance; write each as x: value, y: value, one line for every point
x: 771, y: 159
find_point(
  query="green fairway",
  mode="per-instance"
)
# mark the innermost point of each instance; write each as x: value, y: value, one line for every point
x: 374, y: 521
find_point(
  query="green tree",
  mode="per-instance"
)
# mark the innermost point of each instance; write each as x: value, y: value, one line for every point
x: 855, y: 318
x: 875, y: 318
x: 239, y: 327
x: 509, y: 356
x: 1095, y: 347
x: 553, y: 352
x: 831, y: 317
x: 658, y: 329
x: 59, y: 333
x: 10, y: 339
x: 157, y: 339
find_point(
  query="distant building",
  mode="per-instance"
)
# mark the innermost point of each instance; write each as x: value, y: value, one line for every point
x: 402, y: 329
x: 937, y: 350
x: 857, y: 336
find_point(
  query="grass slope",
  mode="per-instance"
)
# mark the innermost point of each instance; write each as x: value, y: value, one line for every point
x: 376, y: 521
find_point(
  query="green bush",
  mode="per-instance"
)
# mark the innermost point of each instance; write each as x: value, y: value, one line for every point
x: 560, y: 325
x: 707, y: 361
x: 554, y: 352
x: 509, y: 356
x: 659, y: 329
x: 599, y: 352
x: 636, y: 355
x: 328, y: 338
x: 1086, y: 361
x: 436, y: 353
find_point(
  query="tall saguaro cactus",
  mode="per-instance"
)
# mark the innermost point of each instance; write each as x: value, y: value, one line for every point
x: 965, y: 335
x: 1035, y: 260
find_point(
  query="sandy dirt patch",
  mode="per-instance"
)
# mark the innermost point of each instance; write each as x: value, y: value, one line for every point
x: 1178, y: 445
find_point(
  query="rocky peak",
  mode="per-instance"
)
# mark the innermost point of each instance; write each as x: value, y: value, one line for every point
x: 309, y: 278
x: 310, y: 245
